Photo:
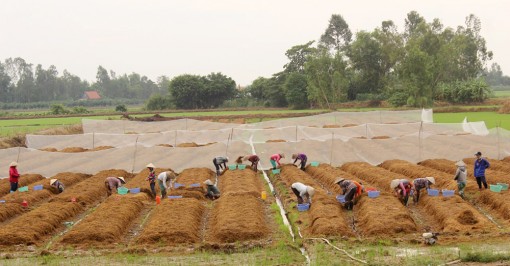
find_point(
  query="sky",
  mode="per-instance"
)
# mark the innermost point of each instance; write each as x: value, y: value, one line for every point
x: 239, y: 38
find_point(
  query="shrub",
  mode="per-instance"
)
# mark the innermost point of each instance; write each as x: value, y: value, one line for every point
x: 398, y: 99
x: 121, y: 108
x: 58, y: 109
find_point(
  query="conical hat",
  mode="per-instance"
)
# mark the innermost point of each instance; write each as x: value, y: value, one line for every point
x: 339, y: 180
x: 431, y: 179
x: 394, y: 183
x: 310, y: 190
x: 150, y: 165
x: 208, y: 182
x: 122, y: 179
x: 460, y: 163
x: 52, y: 181
x: 13, y: 164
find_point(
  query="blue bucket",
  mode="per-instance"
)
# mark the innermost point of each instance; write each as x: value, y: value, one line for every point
x: 175, y: 197
x: 232, y: 167
x: 38, y: 187
x: 374, y: 194
x: 178, y: 185
x: 433, y: 192
x: 134, y: 190
x: 447, y: 192
x: 303, y: 207
x: 340, y: 198
x: 195, y: 185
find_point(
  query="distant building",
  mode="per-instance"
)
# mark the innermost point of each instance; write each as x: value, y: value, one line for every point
x: 91, y: 95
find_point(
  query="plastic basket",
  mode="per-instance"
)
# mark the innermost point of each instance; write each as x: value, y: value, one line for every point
x: 496, y: 188
x: 503, y: 186
x: 134, y: 190
x: 23, y: 189
x: 241, y: 166
x: 374, y: 194
x: 433, y: 192
x: 38, y: 187
x: 178, y: 185
x: 175, y: 197
x: 276, y: 171
x: 195, y: 185
x: 447, y: 192
x: 314, y: 163
x: 303, y: 207
x: 2, y: 201
x: 232, y: 167
x: 122, y: 191
x: 370, y: 189
x: 340, y: 198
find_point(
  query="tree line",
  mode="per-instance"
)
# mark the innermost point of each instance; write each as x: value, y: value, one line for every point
x: 415, y: 66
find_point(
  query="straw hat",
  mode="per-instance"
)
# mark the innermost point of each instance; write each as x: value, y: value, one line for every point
x: 460, y: 163
x: 294, y: 155
x: 13, y: 164
x: 170, y: 174
x: 52, y: 181
x: 431, y: 179
x: 310, y: 190
x: 208, y: 182
x: 122, y: 179
x: 339, y: 180
x: 282, y: 154
x: 394, y: 183
x: 150, y: 166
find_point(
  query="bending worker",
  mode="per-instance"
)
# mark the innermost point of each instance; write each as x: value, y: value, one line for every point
x: 165, y: 181
x: 152, y: 178
x: 212, y: 191
x: 351, y: 189
x: 220, y: 162
x: 461, y: 177
x: 254, y: 159
x: 402, y: 188
x: 113, y: 183
x: 275, y: 159
x: 421, y: 183
x: 13, y: 176
x: 303, y: 192
x: 301, y: 157
x: 57, y: 185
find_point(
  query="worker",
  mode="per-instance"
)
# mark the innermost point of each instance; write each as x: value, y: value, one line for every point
x: 301, y: 157
x: 351, y: 190
x: 212, y: 191
x: 480, y: 165
x: 113, y: 183
x: 13, y: 176
x: 402, y: 189
x: 220, y: 163
x: 152, y: 178
x: 275, y: 159
x: 165, y: 181
x: 303, y: 192
x: 461, y: 177
x: 57, y: 185
x: 253, y: 159
x: 419, y: 184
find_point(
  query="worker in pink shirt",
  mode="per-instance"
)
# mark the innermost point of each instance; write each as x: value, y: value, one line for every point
x: 275, y: 159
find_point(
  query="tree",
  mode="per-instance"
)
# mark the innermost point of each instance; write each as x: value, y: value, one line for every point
x: 298, y: 55
x: 337, y: 35
x: 121, y: 108
x: 296, y: 90
x: 218, y: 88
x: 5, y: 85
x: 159, y: 102
x: 187, y: 91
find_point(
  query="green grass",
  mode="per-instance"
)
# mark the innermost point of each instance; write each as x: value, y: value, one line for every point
x: 491, y: 119
x: 502, y: 94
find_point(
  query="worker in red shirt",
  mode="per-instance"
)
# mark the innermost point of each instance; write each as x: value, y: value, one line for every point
x: 13, y: 176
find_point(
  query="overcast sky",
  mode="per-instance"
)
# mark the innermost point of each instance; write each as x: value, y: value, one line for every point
x: 240, y: 38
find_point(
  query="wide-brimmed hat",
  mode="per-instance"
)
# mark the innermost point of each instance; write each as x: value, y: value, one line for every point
x: 310, y: 190
x: 122, y: 179
x: 394, y: 183
x: 294, y: 155
x: 13, y: 164
x: 170, y: 174
x: 431, y: 179
x: 208, y: 182
x: 339, y: 180
x: 460, y: 163
x: 52, y: 181
x: 150, y: 165
x: 282, y: 155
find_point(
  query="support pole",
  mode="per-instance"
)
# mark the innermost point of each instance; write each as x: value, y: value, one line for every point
x: 499, y: 141
x: 93, y: 139
x: 175, y: 139
x: 134, y: 155
x: 331, y: 155
x: 296, y: 133
x: 228, y: 140
x: 19, y: 151
x: 419, y: 141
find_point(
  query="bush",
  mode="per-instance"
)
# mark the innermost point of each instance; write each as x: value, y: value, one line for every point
x: 121, y: 108
x: 58, y: 109
x: 398, y: 99
x: 79, y: 110
x: 469, y: 91
x: 158, y: 102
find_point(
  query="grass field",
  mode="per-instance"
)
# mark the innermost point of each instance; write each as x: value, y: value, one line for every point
x: 491, y: 119
x: 502, y: 94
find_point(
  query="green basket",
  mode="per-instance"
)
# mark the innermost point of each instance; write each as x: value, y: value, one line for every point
x: 232, y: 167
x: 314, y: 163
x: 495, y: 188
x: 23, y: 189
x: 122, y: 191
x: 241, y: 166
x: 276, y: 171
x: 503, y: 186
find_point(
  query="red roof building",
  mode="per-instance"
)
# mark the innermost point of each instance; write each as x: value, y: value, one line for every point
x: 91, y: 95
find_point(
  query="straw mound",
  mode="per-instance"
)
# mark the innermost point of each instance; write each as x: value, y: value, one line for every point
x: 174, y: 222
x: 140, y: 180
x: 375, y: 175
x: 499, y: 166
x: 118, y: 210
x: 240, y: 182
x: 442, y: 165
x: 381, y: 137
x: 100, y: 148
x: 195, y: 175
x: 74, y: 149
x: 238, y: 218
x: 24, y: 180
x: 186, y: 193
x: 506, y: 159
x: 350, y: 125
x: 327, y: 217
x: 327, y: 176
x: 276, y: 140
x: 331, y: 126
x: 192, y: 144
x: 49, y: 149
x: 384, y: 215
x: 500, y: 203
x: 9, y: 210
x: 443, y: 180
x: 165, y: 145
x: 360, y: 137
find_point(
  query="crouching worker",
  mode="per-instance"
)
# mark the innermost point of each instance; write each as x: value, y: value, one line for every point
x: 113, y: 183
x: 275, y: 159
x: 301, y: 157
x: 419, y: 184
x: 212, y: 191
x: 57, y: 186
x: 303, y: 192
x: 402, y: 189
x: 165, y: 181
x: 220, y: 162
x: 152, y: 178
x: 253, y: 159
x: 461, y: 177
x: 351, y: 190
